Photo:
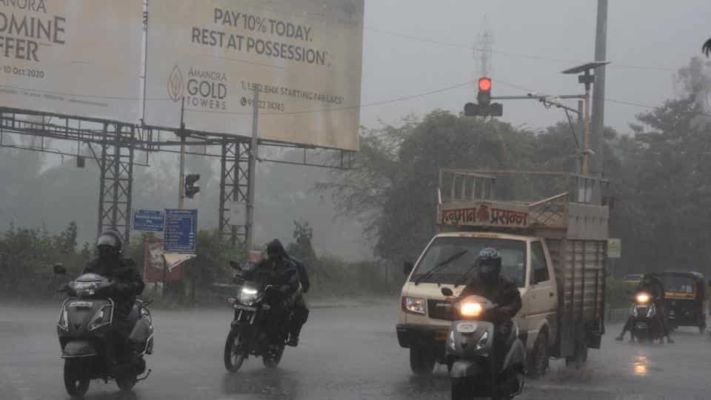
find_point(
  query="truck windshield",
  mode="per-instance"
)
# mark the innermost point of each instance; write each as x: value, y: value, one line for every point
x: 450, y: 269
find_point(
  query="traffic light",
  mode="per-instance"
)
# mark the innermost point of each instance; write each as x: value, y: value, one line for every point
x: 484, y: 96
x: 191, y: 189
x: 484, y: 106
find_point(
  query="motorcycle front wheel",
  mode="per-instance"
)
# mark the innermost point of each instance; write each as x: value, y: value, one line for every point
x: 462, y: 388
x: 76, y: 380
x: 234, y: 353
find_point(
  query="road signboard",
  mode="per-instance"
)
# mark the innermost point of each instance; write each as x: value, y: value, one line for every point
x: 148, y: 220
x: 180, y: 231
x: 614, y: 248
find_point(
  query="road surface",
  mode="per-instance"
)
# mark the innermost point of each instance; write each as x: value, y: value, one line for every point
x: 346, y: 353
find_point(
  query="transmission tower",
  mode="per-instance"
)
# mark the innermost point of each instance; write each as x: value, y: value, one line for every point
x: 483, y: 49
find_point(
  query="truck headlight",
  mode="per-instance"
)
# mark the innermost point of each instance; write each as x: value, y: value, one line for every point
x: 414, y: 305
x: 470, y: 309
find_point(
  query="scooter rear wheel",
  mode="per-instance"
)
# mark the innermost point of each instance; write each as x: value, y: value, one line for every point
x: 76, y: 380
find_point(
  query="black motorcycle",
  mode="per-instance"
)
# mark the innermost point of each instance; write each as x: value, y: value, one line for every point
x: 258, y: 327
x: 473, y: 369
x: 86, y: 335
x: 646, y: 324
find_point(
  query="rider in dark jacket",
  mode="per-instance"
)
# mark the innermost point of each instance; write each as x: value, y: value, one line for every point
x: 652, y: 285
x: 489, y: 283
x: 127, y: 282
x: 288, y: 276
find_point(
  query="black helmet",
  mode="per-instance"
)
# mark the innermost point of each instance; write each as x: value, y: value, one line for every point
x: 110, y: 239
x: 275, y: 250
x: 489, y: 265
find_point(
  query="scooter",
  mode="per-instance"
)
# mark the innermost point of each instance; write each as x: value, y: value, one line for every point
x: 645, y: 321
x: 474, y: 370
x: 85, y: 330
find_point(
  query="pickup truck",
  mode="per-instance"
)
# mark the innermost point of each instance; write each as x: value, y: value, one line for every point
x: 554, y: 250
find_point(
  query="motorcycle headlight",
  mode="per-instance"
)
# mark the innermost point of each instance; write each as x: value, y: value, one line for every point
x: 102, y: 317
x: 643, y: 298
x: 414, y: 305
x: 248, y: 295
x: 472, y: 309
x: 63, y: 323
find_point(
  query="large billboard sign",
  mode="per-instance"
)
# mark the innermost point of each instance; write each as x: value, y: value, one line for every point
x: 304, y: 57
x: 72, y: 57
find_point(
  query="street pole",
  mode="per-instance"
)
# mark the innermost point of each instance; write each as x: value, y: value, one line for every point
x: 181, y: 182
x: 253, y: 152
x: 585, y: 168
x: 598, y: 100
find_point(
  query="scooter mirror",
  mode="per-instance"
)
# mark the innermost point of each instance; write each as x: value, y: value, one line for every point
x: 59, y: 269
x: 447, y: 292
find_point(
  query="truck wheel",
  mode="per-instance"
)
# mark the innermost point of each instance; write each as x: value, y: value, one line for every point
x: 422, y: 360
x: 463, y: 389
x: 580, y: 357
x: 538, y: 364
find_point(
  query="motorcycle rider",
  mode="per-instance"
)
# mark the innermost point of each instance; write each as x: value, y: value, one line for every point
x: 290, y: 276
x: 128, y: 284
x: 489, y: 283
x: 652, y: 285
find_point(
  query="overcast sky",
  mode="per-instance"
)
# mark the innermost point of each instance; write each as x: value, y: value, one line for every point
x: 658, y: 36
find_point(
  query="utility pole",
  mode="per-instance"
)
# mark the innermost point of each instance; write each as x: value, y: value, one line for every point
x: 253, y: 153
x: 598, y: 101
x: 181, y: 182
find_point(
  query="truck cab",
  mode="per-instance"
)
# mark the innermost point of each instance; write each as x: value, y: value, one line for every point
x: 556, y: 263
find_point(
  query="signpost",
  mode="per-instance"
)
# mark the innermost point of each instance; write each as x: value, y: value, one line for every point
x: 614, y: 248
x: 148, y: 221
x: 180, y: 231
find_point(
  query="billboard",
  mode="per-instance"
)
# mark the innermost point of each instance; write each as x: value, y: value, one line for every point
x: 74, y: 57
x: 304, y: 57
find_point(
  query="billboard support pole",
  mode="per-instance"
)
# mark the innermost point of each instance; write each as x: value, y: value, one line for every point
x: 116, y: 180
x: 253, y: 154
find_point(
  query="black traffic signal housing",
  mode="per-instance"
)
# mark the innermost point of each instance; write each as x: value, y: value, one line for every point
x: 484, y: 106
x: 191, y: 189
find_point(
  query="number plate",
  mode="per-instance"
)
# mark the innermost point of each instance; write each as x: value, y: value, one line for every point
x: 641, y: 325
x: 81, y: 304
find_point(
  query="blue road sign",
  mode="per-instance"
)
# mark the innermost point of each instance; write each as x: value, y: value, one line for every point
x: 148, y: 221
x: 180, y: 231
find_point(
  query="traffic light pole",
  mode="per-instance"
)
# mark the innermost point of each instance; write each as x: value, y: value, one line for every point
x: 181, y: 179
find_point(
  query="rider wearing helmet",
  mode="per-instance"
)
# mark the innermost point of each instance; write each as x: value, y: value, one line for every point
x: 290, y: 277
x: 127, y: 282
x: 488, y: 282
x: 654, y: 286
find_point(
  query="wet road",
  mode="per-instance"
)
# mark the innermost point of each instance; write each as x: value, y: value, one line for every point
x: 346, y: 353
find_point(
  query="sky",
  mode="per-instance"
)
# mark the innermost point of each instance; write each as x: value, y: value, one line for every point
x: 413, y: 47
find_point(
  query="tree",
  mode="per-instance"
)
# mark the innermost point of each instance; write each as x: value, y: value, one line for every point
x: 393, y: 186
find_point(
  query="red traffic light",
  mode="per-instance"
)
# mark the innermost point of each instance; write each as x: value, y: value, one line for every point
x: 484, y: 84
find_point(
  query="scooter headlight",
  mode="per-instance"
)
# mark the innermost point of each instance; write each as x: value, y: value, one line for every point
x: 471, y: 309
x: 248, y: 295
x: 102, y: 317
x: 643, y: 298
x: 63, y: 322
